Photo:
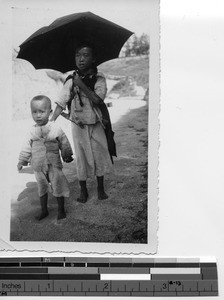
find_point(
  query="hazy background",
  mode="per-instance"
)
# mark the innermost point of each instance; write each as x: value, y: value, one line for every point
x: 133, y: 16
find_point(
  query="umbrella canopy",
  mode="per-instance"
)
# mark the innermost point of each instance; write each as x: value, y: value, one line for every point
x: 53, y: 46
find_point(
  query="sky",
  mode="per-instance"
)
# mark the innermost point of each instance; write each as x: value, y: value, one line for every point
x: 28, y: 16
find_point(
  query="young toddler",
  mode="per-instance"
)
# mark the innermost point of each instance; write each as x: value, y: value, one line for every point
x: 42, y: 148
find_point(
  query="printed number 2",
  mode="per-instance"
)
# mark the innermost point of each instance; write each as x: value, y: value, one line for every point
x: 106, y: 286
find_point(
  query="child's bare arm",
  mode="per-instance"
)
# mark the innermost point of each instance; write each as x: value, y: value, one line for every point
x: 63, y: 98
x: 56, y: 113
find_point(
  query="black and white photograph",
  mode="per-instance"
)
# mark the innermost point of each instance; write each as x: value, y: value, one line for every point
x: 126, y: 163
x: 83, y: 169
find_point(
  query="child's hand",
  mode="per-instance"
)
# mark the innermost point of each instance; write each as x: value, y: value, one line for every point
x: 66, y: 116
x: 77, y: 80
x: 19, y: 166
x: 80, y: 124
x: 68, y: 159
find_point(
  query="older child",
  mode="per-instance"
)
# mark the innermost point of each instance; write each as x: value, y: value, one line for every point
x: 42, y: 148
x: 90, y: 142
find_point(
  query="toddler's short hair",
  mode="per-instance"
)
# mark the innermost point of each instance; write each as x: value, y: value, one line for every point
x: 40, y: 98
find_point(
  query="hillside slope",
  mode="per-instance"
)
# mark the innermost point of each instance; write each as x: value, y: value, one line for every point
x: 136, y: 67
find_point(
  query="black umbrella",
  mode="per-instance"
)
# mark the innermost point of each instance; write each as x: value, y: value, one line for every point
x: 52, y: 47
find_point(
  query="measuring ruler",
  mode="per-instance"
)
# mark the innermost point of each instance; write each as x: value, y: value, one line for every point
x: 91, y: 276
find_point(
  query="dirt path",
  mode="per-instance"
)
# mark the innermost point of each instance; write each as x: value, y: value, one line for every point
x: 120, y: 219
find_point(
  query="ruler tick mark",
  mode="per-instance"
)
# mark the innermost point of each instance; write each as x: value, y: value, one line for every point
x: 185, y: 285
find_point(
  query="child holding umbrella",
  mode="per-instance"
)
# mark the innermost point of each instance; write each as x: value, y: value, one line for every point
x: 84, y: 93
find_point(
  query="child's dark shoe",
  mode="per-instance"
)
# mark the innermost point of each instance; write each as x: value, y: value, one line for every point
x: 61, y: 208
x: 42, y: 216
x: 100, y: 188
x: 61, y: 215
x: 83, y: 197
x: 83, y: 193
x: 44, y: 210
x: 102, y: 195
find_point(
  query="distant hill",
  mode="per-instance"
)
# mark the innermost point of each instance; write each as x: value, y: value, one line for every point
x: 136, y: 67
